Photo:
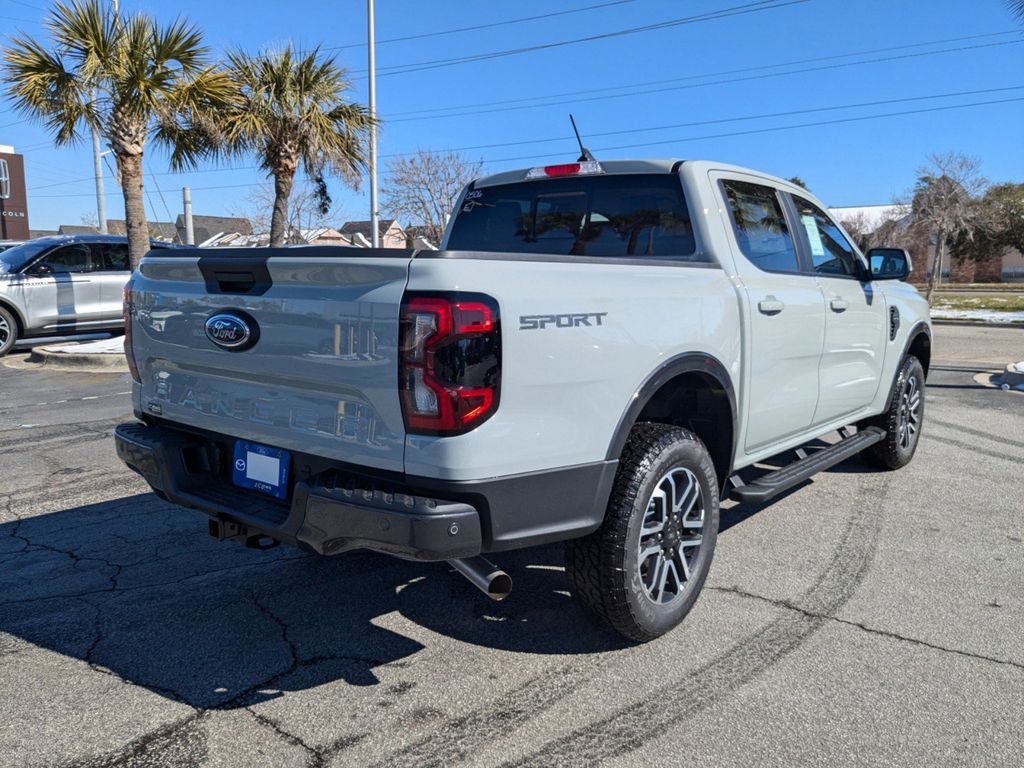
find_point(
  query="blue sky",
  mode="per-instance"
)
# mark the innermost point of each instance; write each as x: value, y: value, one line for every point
x: 707, y: 79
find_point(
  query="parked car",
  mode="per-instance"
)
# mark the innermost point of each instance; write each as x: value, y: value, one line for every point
x: 597, y: 354
x: 5, y: 244
x: 63, y: 285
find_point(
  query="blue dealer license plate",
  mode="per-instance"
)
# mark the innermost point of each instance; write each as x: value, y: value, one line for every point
x: 261, y: 468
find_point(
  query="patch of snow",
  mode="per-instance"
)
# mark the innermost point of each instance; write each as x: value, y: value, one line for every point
x: 984, y: 315
x: 112, y: 346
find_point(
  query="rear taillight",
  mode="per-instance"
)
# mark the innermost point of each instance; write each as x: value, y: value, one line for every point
x: 449, y: 369
x: 128, y: 308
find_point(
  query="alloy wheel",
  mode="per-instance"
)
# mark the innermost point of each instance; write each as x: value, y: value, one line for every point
x: 670, y: 536
x: 910, y: 413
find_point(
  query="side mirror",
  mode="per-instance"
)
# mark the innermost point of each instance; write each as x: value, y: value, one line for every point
x: 40, y: 270
x: 889, y: 263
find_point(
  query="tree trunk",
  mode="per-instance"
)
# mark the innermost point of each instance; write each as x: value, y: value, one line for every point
x: 134, y: 210
x: 936, y: 276
x: 279, y: 218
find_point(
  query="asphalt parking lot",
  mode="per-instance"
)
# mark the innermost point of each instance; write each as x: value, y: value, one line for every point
x: 864, y: 619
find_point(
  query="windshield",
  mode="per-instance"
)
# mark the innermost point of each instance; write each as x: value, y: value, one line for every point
x: 17, y: 257
x: 640, y: 216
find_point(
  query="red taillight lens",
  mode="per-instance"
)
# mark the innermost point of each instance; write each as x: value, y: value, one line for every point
x: 128, y: 310
x: 449, y: 362
x: 582, y: 168
x: 567, y: 169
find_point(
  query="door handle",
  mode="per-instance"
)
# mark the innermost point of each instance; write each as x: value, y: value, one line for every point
x: 839, y: 305
x: 770, y: 306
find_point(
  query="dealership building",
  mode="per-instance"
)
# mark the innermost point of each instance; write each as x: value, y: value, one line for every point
x: 13, y: 198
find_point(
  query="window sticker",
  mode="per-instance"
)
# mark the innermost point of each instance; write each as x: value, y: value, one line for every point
x: 817, y: 247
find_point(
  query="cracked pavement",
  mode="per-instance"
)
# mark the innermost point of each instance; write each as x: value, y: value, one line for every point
x: 863, y: 619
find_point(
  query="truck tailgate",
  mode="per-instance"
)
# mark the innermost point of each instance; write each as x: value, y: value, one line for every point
x: 322, y: 376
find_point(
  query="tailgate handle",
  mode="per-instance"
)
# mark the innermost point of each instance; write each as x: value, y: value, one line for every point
x: 236, y: 274
x: 235, y: 282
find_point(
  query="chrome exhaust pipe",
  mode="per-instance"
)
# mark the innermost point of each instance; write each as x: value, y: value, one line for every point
x: 485, y: 576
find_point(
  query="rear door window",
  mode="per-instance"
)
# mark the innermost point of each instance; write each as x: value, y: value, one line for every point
x: 115, y: 256
x: 642, y: 216
x: 760, y: 226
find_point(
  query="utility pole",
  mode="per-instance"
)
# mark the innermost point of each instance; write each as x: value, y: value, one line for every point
x: 186, y: 198
x: 374, y: 217
x: 97, y: 167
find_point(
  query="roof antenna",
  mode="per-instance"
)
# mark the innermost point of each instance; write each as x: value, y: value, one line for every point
x: 584, y: 152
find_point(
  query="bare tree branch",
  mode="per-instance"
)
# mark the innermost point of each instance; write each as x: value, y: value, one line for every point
x: 421, y: 189
x: 944, y: 205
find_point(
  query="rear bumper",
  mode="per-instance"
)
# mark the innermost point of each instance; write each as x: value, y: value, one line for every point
x: 336, y: 508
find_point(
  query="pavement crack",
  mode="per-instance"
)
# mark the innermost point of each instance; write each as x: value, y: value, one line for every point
x: 90, y: 658
x: 791, y: 606
x: 286, y: 736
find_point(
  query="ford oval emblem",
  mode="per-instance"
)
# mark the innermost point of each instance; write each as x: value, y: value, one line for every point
x: 232, y: 330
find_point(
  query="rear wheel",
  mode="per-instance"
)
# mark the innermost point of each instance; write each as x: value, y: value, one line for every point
x: 903, y: 419
x: 642, y: 570
x: 8, y: 331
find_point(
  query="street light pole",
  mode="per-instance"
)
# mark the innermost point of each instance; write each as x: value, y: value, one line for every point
x: 375, y: 235
x: 97, y: 167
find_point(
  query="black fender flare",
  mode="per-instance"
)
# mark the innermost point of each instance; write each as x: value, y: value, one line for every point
x: 688, y: 362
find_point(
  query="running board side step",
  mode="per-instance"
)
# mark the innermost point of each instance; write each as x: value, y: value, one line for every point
x: 783, y: 479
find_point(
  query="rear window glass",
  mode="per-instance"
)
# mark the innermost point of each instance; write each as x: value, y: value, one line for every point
x: 639, y: 216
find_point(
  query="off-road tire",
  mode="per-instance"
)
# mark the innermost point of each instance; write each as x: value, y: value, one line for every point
x: 8, y: 331
x: 895, y: 451
x: 603, y: 567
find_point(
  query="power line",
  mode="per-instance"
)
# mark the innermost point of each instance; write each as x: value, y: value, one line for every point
x: 490, y: 25
x: 774, y: 129
x: 563, y: 94
x: 748, y: 78
x: 627, y: 131
x: 754, y: 131
x: 162, y: 199
x: 738, y: 10
x: 156, y: 173
x: 762, y: 116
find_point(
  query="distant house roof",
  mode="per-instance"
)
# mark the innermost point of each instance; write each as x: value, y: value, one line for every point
x: 158, y: 230
x: 76, y: 229
x: 34, y: 233
x: 365, y: 228
x: 874, y: 215
x: 207, y: 227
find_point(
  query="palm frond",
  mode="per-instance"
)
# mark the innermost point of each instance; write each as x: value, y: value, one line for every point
x: 41, y: 85
x: 293, y: 111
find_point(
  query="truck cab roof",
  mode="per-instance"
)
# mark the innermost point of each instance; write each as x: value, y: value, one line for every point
x: 653, y: 165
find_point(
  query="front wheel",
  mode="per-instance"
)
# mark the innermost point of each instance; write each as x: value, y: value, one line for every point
x: 8, y: 331
x: 642, y: 570
x: 902, y: 420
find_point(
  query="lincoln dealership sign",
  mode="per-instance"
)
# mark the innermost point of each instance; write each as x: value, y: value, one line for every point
x: 13, y: 198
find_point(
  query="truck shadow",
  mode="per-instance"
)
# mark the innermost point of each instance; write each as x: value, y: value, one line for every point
x: 136, y: 588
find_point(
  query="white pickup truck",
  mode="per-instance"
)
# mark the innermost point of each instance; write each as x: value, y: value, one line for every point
x: 597, y: 354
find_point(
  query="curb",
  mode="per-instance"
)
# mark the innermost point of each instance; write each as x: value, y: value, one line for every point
x: 79, y: 361
x: 975, y: 323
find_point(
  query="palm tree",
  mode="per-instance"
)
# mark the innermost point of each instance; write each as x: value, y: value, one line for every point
x: 292, y: 112
x: 127, y: 77
x: 1017, y: 6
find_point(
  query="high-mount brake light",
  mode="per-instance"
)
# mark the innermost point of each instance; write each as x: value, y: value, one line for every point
x: 449, y: 367
x: 566, y: 169
x: 127, y: 308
